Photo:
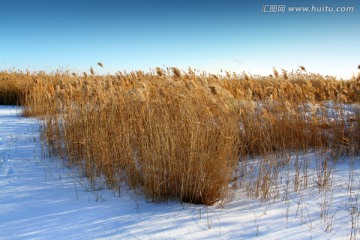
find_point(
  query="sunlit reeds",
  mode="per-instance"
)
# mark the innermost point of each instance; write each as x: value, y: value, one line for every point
x: 180, y: 135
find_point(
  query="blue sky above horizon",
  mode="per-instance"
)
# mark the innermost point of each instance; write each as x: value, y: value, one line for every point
x: 207, y: 35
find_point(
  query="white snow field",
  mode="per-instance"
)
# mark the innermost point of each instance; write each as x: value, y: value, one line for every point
x: 42, y: 199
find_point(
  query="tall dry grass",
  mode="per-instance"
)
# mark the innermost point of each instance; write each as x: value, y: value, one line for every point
x: 180, y: 135
x: 13, y: 87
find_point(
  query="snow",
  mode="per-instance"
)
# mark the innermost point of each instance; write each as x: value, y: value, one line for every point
x: 42, y: 199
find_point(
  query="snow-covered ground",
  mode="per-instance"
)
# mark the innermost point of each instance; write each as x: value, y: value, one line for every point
x: 42, y: 199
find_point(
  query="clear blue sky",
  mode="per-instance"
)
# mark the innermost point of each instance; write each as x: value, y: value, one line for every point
x: 209, y: 35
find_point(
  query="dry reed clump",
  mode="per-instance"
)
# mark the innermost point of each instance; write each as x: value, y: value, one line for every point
x: 179, y: 135
x: 278, y: 127
x: 170, y: 148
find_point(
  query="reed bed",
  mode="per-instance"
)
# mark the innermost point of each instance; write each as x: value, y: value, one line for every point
x: 180, y: 135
